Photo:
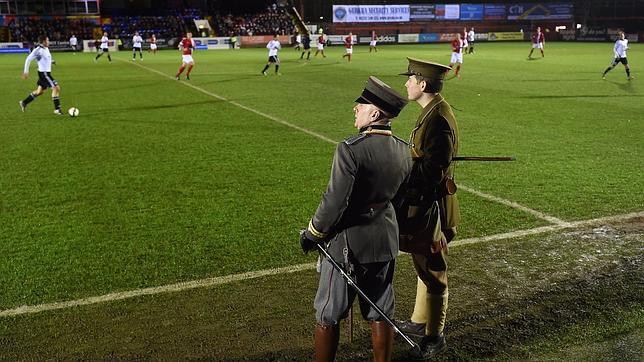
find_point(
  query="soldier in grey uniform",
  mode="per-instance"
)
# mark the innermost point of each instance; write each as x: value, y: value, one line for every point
x: 433, y: 144
x: 358, y: 222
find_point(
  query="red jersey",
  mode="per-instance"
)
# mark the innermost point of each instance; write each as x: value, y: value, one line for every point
x: 348, y: 42
x: 457, y: 45
x: 321, y: 39
x: 187, y: 45
x: 153, y: 40
x: 537, y: 38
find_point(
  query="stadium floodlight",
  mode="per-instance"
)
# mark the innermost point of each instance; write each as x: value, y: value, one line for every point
x: 578, y: 26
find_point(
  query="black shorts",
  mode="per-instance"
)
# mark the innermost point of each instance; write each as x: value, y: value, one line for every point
x: 45, y: 80
x: 620, y: 60
x: 273, y: 59
x: 105, y: 50
x: 136, y: 49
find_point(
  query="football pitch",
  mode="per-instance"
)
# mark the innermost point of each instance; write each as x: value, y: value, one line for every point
x: 162, y: 223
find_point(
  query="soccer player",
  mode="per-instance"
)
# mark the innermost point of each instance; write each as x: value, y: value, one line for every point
x: 457, y: 54
x: 306, y: 43
x: 348, y: 44
x: 136, y: 46
x: 104, y: 48
x: 186, y: 46
x: 465, y: 42
x: 621, y: 46
x: 298, y: 41
x: 321, y: 43
x: 538, y: 39
x: 273, y: 47
x: 373, y: 42
x: 45, y: 80
x: 153, y: 44
x: 73, y: 42
x: 470, y: 41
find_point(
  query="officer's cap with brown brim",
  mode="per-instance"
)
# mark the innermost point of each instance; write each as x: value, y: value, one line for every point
x: 381, y: 95
x: 426, y: 69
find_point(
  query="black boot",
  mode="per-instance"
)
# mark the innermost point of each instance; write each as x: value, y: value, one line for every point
x: 430, y: 347
x: 409, y: 327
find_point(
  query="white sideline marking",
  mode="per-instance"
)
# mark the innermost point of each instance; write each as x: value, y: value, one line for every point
x: 509, y: 203
x: 272, y: 118
x: 545, y: 229
x: 201, y: 283
x: 514, y: 205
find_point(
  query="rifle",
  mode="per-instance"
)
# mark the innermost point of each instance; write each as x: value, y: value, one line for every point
x: 484, y: 158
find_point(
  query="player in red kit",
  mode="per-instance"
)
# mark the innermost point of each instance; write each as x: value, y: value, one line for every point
x: 538, y: 39
x: 457, y: 54
x: 466, y: 44
x: 321, y: 43
x: 373, y: 42
x: 186, y: 45
x: 348, y: 44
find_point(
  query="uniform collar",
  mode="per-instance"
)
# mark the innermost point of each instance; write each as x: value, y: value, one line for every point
x: 428, y: 108
x: 377, y: 129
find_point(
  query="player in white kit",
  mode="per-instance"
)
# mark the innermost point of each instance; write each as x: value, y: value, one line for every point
x: 137, y: 42
x: 273, y: 47
x: 42, y: 55
x: 105, y: 48
x: 620, y: 48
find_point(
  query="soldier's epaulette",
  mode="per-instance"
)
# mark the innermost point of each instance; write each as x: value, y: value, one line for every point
x: 400, y: 139
x: 355, y: 139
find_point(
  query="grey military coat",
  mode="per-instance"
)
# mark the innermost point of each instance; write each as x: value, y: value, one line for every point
x: 356, y: 210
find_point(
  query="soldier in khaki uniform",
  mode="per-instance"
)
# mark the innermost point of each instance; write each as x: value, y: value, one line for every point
x: 357, y: 220
x: 433, y: 143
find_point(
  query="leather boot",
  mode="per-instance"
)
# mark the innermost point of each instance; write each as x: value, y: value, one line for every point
x: 326, y: 342
x: 437, y: 313
x: 382, y: 340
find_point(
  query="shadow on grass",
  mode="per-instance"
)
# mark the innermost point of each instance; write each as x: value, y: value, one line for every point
x: 137, y: 109
x: 497, y: 330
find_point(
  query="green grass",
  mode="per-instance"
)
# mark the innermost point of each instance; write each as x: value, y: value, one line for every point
x: 156, y: 182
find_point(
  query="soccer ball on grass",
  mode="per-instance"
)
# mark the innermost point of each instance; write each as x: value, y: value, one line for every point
x: 73, y: 112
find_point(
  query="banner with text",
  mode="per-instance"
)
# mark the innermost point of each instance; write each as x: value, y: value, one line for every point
x: 539, y: 11
x: 370, y: 13
x: 494, y: 12
x: 422, y: 12
x: 472, y: 12
x: 505, y: 36
x: 448, y: 11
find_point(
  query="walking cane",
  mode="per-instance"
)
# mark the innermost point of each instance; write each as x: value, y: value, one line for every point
x: 351, y: 283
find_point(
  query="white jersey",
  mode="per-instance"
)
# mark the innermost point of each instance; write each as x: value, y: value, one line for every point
x: 137, y: 40
x: 620, y: 48
x: 73, y: 41
x: 273, y: 46
x: 298, y: 38
x: 105, y: 42
x: 42, y: 56
x: 470, y: 36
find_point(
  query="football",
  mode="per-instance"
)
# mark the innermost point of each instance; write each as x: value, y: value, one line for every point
x: 73, y: 112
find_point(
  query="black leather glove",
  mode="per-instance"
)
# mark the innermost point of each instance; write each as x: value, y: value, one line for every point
x: 306, y: 243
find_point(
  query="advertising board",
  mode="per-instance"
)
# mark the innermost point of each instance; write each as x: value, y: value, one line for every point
x: 370, y: 13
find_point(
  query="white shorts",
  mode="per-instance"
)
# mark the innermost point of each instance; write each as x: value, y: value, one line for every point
x: 537, y: 45
x: 457, y: 58
x: 187, y: 59
x: 349, y: 50
x: 153, y: 46
x: 373, y: 43
x: 320, y: 46
x: 465, y: 44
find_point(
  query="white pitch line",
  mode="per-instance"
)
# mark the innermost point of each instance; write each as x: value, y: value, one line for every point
x: 514, y: 205
x: 545, y: 229
x: 509, y: 203
x: 272, y: 118
x: 177, y: 287
x: 209, y: 282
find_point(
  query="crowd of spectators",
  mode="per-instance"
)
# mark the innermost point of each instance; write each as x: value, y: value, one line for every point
x: 161, y: 26
x: 275, y: 20
x: 28, y: 30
